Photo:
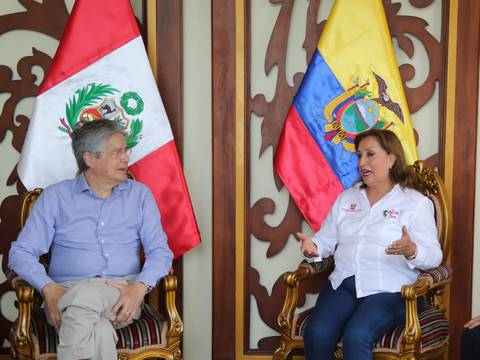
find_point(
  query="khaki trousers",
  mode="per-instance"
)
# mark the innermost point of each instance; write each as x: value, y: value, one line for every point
x: 87, y: 331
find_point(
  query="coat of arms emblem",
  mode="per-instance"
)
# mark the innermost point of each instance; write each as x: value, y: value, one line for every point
x: 355, y: 111
x: 98, y: 101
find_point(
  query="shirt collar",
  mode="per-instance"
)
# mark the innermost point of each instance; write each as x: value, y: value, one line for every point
x: 81, y: 185
x: 358, y: 187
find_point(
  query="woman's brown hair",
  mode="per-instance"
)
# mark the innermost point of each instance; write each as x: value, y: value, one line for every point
x: 399, y: 172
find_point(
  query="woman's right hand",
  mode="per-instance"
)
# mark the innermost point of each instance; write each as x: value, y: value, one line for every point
x: 307, y: 247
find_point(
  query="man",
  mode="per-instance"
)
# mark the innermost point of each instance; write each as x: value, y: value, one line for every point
x: 93, y: 226
x: 471, y: 340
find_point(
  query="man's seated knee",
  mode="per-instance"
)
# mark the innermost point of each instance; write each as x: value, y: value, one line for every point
x: 84, y: 295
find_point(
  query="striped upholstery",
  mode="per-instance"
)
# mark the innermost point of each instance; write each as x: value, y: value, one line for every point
x: 45, y: 335
x: 433, y: 323
x: 149, y: 330
x: 146, y: 331
x: 437, y: 275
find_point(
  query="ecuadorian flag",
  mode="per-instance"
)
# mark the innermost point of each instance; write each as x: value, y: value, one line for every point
x: 352, y: 84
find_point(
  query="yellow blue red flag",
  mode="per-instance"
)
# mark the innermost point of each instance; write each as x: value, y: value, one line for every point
x: 352, y: 84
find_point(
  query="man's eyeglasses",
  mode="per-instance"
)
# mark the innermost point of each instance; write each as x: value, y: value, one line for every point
x: 119, y: 153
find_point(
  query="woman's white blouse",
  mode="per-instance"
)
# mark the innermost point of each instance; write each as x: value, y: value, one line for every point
x: 358, y: 234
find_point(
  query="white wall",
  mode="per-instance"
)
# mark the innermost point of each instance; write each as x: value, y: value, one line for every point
x: 197, y: 161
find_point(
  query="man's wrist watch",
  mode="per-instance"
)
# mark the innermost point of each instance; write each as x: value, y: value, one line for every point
x: 149, y: 287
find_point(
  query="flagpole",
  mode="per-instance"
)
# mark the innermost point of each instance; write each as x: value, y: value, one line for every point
x: 152, y: 36
x: 151, y: 18
x: 449, y: 131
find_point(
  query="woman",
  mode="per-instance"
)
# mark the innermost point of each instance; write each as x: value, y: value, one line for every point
x: 381, y: 231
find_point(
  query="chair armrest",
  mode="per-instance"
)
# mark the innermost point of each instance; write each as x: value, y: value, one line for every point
x: 426, y: 281
x: 175, y: 324
x: 437, y: 277
x: 315, y: 267
x: 292, y: 280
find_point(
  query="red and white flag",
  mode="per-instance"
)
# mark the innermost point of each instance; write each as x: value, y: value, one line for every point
x: 101, y: 70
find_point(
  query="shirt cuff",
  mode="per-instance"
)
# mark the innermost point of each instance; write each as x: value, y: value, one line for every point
x: 312, y: 259
x: 417, y: 258
x: 39, y: 285
x: 149, y: 287
x: 148, y: 282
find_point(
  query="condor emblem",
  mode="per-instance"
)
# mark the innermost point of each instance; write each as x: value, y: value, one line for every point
x: 356, y: 111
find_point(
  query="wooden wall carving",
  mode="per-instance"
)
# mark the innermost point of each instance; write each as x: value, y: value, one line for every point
x: 274, y: 112
x: 48, y: 18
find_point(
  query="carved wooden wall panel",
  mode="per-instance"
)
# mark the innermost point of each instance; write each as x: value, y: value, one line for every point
x: 47, y: 18
x: 273, y: 112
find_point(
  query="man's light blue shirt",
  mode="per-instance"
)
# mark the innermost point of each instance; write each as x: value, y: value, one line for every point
x: 89, y: 236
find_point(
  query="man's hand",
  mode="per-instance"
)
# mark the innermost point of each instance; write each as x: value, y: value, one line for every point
x: 308, y: 247
x: 473, y: 323
x: 405, y: 246
x: 131, y: 297
x: 52, y: 293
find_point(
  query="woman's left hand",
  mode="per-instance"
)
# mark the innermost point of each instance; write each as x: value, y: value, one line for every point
x: 405, y: 246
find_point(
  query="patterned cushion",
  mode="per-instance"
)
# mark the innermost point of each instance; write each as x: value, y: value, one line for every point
x: 433, y: 324
x: 149, y: 330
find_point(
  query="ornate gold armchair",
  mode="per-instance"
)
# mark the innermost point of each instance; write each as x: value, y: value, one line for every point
x: 425, y: 335
x: 155, y: 335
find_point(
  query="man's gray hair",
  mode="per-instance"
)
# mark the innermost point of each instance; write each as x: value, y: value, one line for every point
x: 92, y: 136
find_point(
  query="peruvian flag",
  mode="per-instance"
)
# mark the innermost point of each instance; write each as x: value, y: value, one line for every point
x: 101, y: 70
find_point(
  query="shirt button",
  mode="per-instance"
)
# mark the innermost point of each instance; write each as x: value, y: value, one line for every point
x: 102, y: 223
x: 106, y: 255
x: 102, y: 241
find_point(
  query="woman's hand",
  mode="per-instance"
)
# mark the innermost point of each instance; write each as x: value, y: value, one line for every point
x: 473, y: 323
x: 307, y: 247
x: 405, y: 246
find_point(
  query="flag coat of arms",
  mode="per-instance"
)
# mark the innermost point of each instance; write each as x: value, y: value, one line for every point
x: 352, y: 84
x: 101, y: 70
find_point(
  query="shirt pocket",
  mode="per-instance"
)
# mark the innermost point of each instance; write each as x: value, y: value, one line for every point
x: 391, y: 231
